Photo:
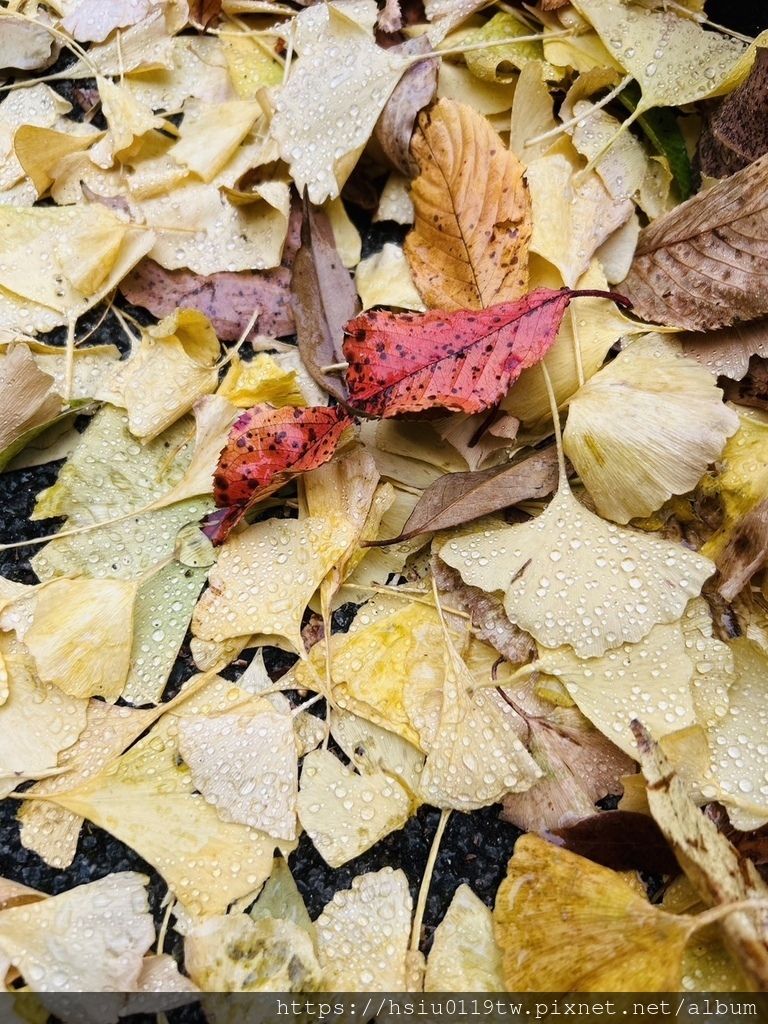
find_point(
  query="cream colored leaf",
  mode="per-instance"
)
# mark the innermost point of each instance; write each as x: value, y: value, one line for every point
x: 148, y: 795
x: 251, y: 64
x: 211, y: 132
x: 145, y: 46
x: 672, y: 58
x: 395, y: 202
x: 39, y: 107
x: 196, y: 66
x: 81, y: 635
x: 372, y: 749
x: 384, y: 279
x: 570, y: 220
x: 464, y: 956
x: 469, y: 245
x: 51, y: 831
x: 27, y: 397
x: 127, y: 118
x: 328, y: 108
x: 266, y: 575
x: 245, y: 764
x: 565, y: 924
x: 89, y: 939
x: 344, y: 813
x: 646, y: 427
x: 623, y: 168
x: 531, y: 113
x: 363, y: 933
x: 89, y: 365
x: 94, y: 20
x: 280, y: 898
x: 233, y: 953
x: 570, y: 577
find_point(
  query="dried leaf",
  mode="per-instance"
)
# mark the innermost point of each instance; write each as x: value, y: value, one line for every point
x: 611, y: 939
x: 414, y: 91
x: 569, y: 577
x: 464, y: 956
x: 28, y: 398
x: 88, y: 939
x: 464, y: 361
x: 203, y: 13
x: 698, y: 266
x: 735, y: 134
x: 267, y: 447
x: 363, y: 933
x: 620, y: 840
x: 26, y: 44
x: 500, y: 63
x: 39, y: 150
x: 469, y: 246
x: 644, y: 428
x: 323, y: 299
x: 94, y: 20
x: 384, y: 279
x: 457, y: 498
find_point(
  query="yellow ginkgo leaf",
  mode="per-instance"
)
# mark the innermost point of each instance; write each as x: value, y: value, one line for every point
x: 234, y: 953
x: 363, y: 933
x: 126, y: 119
x: 39, y: 150
x: 251, y: 63
x: 464, y: 956
x: 265, y: 576
x: 646, y: 427
x: 211, y: 132
x: 260, y: 380
x: 89, y: 939
x: 384, y: 279
x: 81, y: 635
x: 565, y: 924
x: 244, y: 762
x: 280, y: 898
x: 569, y: 577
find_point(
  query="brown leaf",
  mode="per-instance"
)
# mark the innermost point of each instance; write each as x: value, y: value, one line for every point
x: 457, y: 498
x: 489, y: 620
x: 323, y: 297
x: 621, y: 840
x: 737, y: 132
x: 469, y: 245
x: 704, y: 264
x: 752, y: 388
x: 727, y: 352
x: 745, y: 553
x: 203, y: 13
x: 413, y: 92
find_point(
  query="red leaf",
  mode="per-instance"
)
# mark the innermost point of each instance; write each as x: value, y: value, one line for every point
x: 266, y: 448
x: 464, y: 361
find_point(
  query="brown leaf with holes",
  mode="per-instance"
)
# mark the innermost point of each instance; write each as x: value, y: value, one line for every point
x: 472, y: 226
x: 727, y: 352
x: 323, y: 297
x: 621, y: 840
x: 737, y: 132
x: 705, y: 264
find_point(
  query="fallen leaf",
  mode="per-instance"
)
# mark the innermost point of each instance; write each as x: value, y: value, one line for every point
x: 27, y: 45
x: 715, y: 869
x: 363, y: 933
x: 715, y: 241
x: 28, y: 399
x: 500, y: 63
x: 745, y: 553
x: 752, y: 388
x: 127, y: 119
x: 280, y: 899
x: 734, y: 135
x: 90, y: 939
x: 414, y: 91
x: 384, y: 279
x: 39, y: 151
x: 464, y: 956
x: 266, y: 448
x: 464, y: 361
x: 203, y: 13
x: 457, y: 498
x: 620, y: 840
x: 645, y: 427
x: 211, y: 132
x: 469, y: 245
x: 611, y: 940
x: 323, y: 299
x: 570, y: 577
x: 89, y: 21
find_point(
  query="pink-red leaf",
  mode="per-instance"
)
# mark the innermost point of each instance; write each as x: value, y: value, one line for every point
x: 266, y: 448
x: 464, y: 361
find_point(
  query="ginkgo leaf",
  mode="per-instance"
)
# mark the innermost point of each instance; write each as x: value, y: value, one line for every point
x: 496, y: 63
x: 344, y: 813
x: 260, y: 380
x: 266, y: 448
x: 363, y: 933
x: 700, y: 265
x: 27, y: 44
x: 39, y: 150
x: 645, y: 427
x: 464, y: 956
x: 127, y: 118
x: 265, y: 576
x: 325, y: 92
x: 610, y: 939
x: 88, y: 939
x: 28, y: 399
x: 384, y: 279
x: 469, y: 245
x: 234, y: 953
x: 40, y: 107
x: 81, y: 635
x: 245, y: 764
x: 147, y: 795
x: 211, y: 132
x: 570, y: 577
x: 92, y: 22
x: 280, y: 898
x: 464, y: 361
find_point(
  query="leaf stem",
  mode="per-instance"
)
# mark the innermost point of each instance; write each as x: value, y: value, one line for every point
x: 581, y: 117
x: 715, y: 914
x: 421, y: 903
x: 578, y: 178
x: 451, y: 51
x: 576, y: 346
x: 563, y: 481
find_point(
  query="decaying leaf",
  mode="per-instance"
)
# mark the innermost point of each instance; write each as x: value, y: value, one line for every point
x: 735, y: 134
x: 716, y: 243
x: 464, y: 361
x: 412, y: 93
x: 464, y: 955
x: 28, y: 399
x: 469, y: 246
x: 323, y: 299
x: 610, y: 940
x: 570, y: 577
x: 644, y: 428
x: 621, y: 841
